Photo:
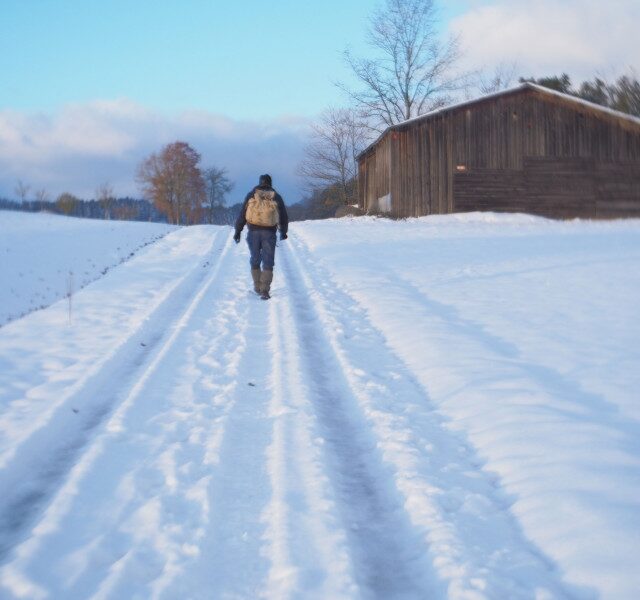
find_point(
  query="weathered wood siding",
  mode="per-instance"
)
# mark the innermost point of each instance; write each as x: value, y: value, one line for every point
x: 374, y: 176
x: 523, y: 151
x: 569, y: 193
x: 553, y: 187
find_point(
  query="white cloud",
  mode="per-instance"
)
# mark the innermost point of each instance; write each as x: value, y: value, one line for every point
x: 83, y: 145
x: 583, y: 38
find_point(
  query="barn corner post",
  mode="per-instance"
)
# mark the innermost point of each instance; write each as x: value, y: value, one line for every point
x: 361, y: 185
x: 395, y: 197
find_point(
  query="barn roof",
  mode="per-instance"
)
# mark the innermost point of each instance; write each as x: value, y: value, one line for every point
x: 523, y: 86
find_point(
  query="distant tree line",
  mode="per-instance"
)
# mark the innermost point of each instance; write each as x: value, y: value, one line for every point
x: 321, y: 204
x: 122, y: 209
x: 623, y: 94
x: 186, y: 194
x: 176, y: 191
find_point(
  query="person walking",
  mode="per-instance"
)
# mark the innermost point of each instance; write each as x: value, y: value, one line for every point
x: 264, y: 213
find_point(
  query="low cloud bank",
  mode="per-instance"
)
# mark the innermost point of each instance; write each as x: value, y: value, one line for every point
x: 82, y: 146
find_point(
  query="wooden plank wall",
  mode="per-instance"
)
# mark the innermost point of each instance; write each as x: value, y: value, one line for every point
x: 547, y: 187
x: 554, y: 187
x: 428, y: 152
x: 617, y: 188
x: 575, y: 163
x: 526, y: 151
x: 374, y: 175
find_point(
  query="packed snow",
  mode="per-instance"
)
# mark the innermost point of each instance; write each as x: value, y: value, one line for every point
x: 442, y: 407
x: 45, y: 257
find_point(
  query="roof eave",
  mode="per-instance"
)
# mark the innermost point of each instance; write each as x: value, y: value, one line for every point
x: 523, y: 86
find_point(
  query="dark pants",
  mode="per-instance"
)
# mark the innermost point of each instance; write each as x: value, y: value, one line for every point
x: 262, y: 246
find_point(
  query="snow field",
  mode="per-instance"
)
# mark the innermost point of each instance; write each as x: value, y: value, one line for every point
x: 438, y: 408
x: 192, y: 473
x: 45, y: 428
x: 43, y: 256
x: 435, y: 473
x: 522, y: 336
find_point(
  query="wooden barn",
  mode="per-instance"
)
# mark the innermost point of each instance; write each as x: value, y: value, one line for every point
x: 528, y: 149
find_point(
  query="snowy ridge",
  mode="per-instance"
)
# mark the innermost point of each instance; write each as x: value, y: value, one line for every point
x: 425, y: 409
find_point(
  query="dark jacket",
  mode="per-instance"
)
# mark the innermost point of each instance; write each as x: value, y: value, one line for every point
x: 282, y: 213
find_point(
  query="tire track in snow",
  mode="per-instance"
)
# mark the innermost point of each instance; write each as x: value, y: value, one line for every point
x: 305, y: 537
x: 230, y: 562
x: 80, y: 381
x: 215, y: 491
x: 272, y: 529
x: 178, y: 498
x: 476, y: 546
x: 389, y: 556
x: 171, y: 496
x: 47, y: 455
x: 491, y: 383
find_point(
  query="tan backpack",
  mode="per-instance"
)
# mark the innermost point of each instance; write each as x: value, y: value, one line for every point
x: 262, y: 209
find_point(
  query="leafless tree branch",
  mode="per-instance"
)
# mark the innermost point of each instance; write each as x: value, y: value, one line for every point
x: 412, y: 71
x: 330, y: 156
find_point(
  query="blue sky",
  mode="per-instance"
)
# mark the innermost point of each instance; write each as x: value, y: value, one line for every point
x: 251, y: 59
x: 89, y: 88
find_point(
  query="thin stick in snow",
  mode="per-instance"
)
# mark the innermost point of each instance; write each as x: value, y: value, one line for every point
x: 70, y: 289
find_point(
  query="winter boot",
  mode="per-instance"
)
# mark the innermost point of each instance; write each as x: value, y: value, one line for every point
x: 265, y: 280
x: 257, y: 285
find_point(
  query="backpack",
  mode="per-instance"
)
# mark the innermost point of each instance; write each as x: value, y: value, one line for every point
x: 262, y: 208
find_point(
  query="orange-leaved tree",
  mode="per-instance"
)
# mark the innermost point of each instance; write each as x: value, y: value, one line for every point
x: 67, y: 203
x: 173, y: 181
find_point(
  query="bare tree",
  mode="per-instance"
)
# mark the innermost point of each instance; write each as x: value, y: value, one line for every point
x: 501, y: 79
x: 22, y: 190
x: 217, y: 186
x: 412, y: 70
x: 42, y: 195
x: 106, y: 198
x: 174, y: 182
x: 330, y: 156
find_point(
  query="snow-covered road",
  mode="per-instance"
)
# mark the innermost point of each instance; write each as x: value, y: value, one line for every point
x: 354, y: 437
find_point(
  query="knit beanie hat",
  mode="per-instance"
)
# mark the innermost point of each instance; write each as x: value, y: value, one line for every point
x: 265, y: 180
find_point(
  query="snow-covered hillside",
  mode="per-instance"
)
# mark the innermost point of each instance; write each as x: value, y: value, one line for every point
x: 438, y: 408
x: 44, y: 256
